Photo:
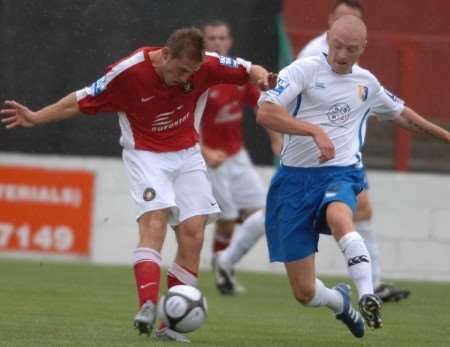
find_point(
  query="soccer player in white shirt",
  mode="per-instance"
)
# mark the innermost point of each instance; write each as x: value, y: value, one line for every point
x: 364, y: 210
x: 322, y: 104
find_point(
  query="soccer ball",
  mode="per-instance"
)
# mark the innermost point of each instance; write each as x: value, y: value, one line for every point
x: 183, y: 309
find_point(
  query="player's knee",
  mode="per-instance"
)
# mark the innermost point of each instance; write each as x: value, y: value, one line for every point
x: 340, y: 224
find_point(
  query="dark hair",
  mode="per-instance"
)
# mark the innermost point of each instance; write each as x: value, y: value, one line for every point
x: 217, y: 23
x: 187, y: 42
x: 355, y: 4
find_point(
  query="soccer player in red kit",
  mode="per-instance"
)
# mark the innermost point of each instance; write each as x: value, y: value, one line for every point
x: 236, y: 185
x: 159, y: 94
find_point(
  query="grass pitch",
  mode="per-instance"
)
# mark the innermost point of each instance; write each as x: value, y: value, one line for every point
x: 66, y: 304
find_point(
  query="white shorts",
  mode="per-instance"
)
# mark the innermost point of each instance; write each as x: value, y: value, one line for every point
x: 237, y: 186
x: 176, y: 181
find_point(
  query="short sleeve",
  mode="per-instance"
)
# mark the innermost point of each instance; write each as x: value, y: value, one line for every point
x: 226, y: 70
x: 386, y: 105
x: 107, y: 94
x: 291, y: 81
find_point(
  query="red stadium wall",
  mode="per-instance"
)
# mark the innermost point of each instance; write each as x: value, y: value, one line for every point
x: 408, y: 50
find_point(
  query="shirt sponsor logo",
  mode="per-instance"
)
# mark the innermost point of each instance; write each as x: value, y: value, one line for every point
x: 338, y: 114
x: 164, y: 121
x: 280, y: 88
x: 99, y: 86
x: 320, y: 85
x: 227, y: 61
x: 363, y: 92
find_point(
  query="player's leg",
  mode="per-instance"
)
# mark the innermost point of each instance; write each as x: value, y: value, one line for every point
x: 312, y: 292
x: 152, y: 190
x: 147, y: 262
x: 184, y: 270
x: 364, y: 225
x: 196, y: 207
x: 221, y: 185
x: 245, y: 238
x: 339, y: 219
x: 249, y: 196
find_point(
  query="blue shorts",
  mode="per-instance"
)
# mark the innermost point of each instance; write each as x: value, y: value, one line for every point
x: 296, y: 205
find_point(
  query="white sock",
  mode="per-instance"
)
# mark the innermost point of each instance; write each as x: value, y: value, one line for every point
x: 246, y: 237
x: 366, y: 230
x: 324, y: 296
x: 358, y: 261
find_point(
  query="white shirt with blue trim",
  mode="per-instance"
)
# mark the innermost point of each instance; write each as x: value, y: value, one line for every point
x: 339, y: 103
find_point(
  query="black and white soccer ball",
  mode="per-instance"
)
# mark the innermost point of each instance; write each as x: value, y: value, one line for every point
x: 183, y: 309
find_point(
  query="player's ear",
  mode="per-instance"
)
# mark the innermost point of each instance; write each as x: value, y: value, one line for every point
x: 165, y: 52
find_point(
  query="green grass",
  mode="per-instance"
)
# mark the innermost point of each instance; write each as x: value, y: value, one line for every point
x: 65, y: 304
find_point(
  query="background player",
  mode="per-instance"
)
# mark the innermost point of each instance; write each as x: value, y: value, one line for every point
x: 159, y: 93
x: 322, y: 104
x: 364, y: 210
x: 236, y: 185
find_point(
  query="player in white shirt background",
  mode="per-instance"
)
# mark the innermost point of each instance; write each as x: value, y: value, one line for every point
x: 321, y: 104
x: 364, y: 210
x: 236, y: 185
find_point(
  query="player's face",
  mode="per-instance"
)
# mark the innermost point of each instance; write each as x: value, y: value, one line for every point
x: 217, y: 39
x: 343, y: 10
x: 345, y: 48
x: 177, y: 71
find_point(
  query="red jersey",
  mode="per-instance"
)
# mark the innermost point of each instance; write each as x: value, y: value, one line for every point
x: 222, y: 118
x: 152, y: 115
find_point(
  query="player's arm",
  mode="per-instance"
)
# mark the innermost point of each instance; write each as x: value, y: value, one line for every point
x: 17, y: 114
x: 276, y: 118
x: 213, y: 157
x: 413, y: 122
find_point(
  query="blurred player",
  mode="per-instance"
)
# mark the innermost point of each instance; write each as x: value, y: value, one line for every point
x: 322, y: 104
x: 363, y: 215
x: 236, y: 185
x: 159, y: 94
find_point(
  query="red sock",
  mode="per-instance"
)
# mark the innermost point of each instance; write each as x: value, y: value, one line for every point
x: 220, y: 243
x: 177, y: 275
x: 147, y: 274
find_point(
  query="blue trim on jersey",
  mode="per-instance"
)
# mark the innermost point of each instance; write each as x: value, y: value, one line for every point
x: 299, y: 102
x: 360, y: 128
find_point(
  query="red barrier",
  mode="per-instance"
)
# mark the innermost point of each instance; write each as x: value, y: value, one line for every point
x: 45, y: 211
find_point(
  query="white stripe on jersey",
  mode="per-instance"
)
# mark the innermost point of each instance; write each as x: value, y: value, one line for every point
x: 199, y: 108
x: 126, y: 139
x: 110, y: 75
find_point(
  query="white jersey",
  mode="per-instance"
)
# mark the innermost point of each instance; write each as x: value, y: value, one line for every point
x: 316, y: 46
x: 339, y: 103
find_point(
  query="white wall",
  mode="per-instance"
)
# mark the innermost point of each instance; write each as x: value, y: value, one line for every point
x: 412, y: 218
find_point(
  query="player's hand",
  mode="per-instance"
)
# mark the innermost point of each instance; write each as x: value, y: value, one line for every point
x: 16, y: 115
x: 268, y: 82
x: 326, y: 147
x: 214, y: 157
x: 277, y: 145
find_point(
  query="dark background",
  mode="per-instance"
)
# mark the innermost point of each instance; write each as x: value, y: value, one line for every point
x: 50, y: 48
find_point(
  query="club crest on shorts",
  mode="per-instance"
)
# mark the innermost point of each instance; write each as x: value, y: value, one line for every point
x: 149, y: 194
